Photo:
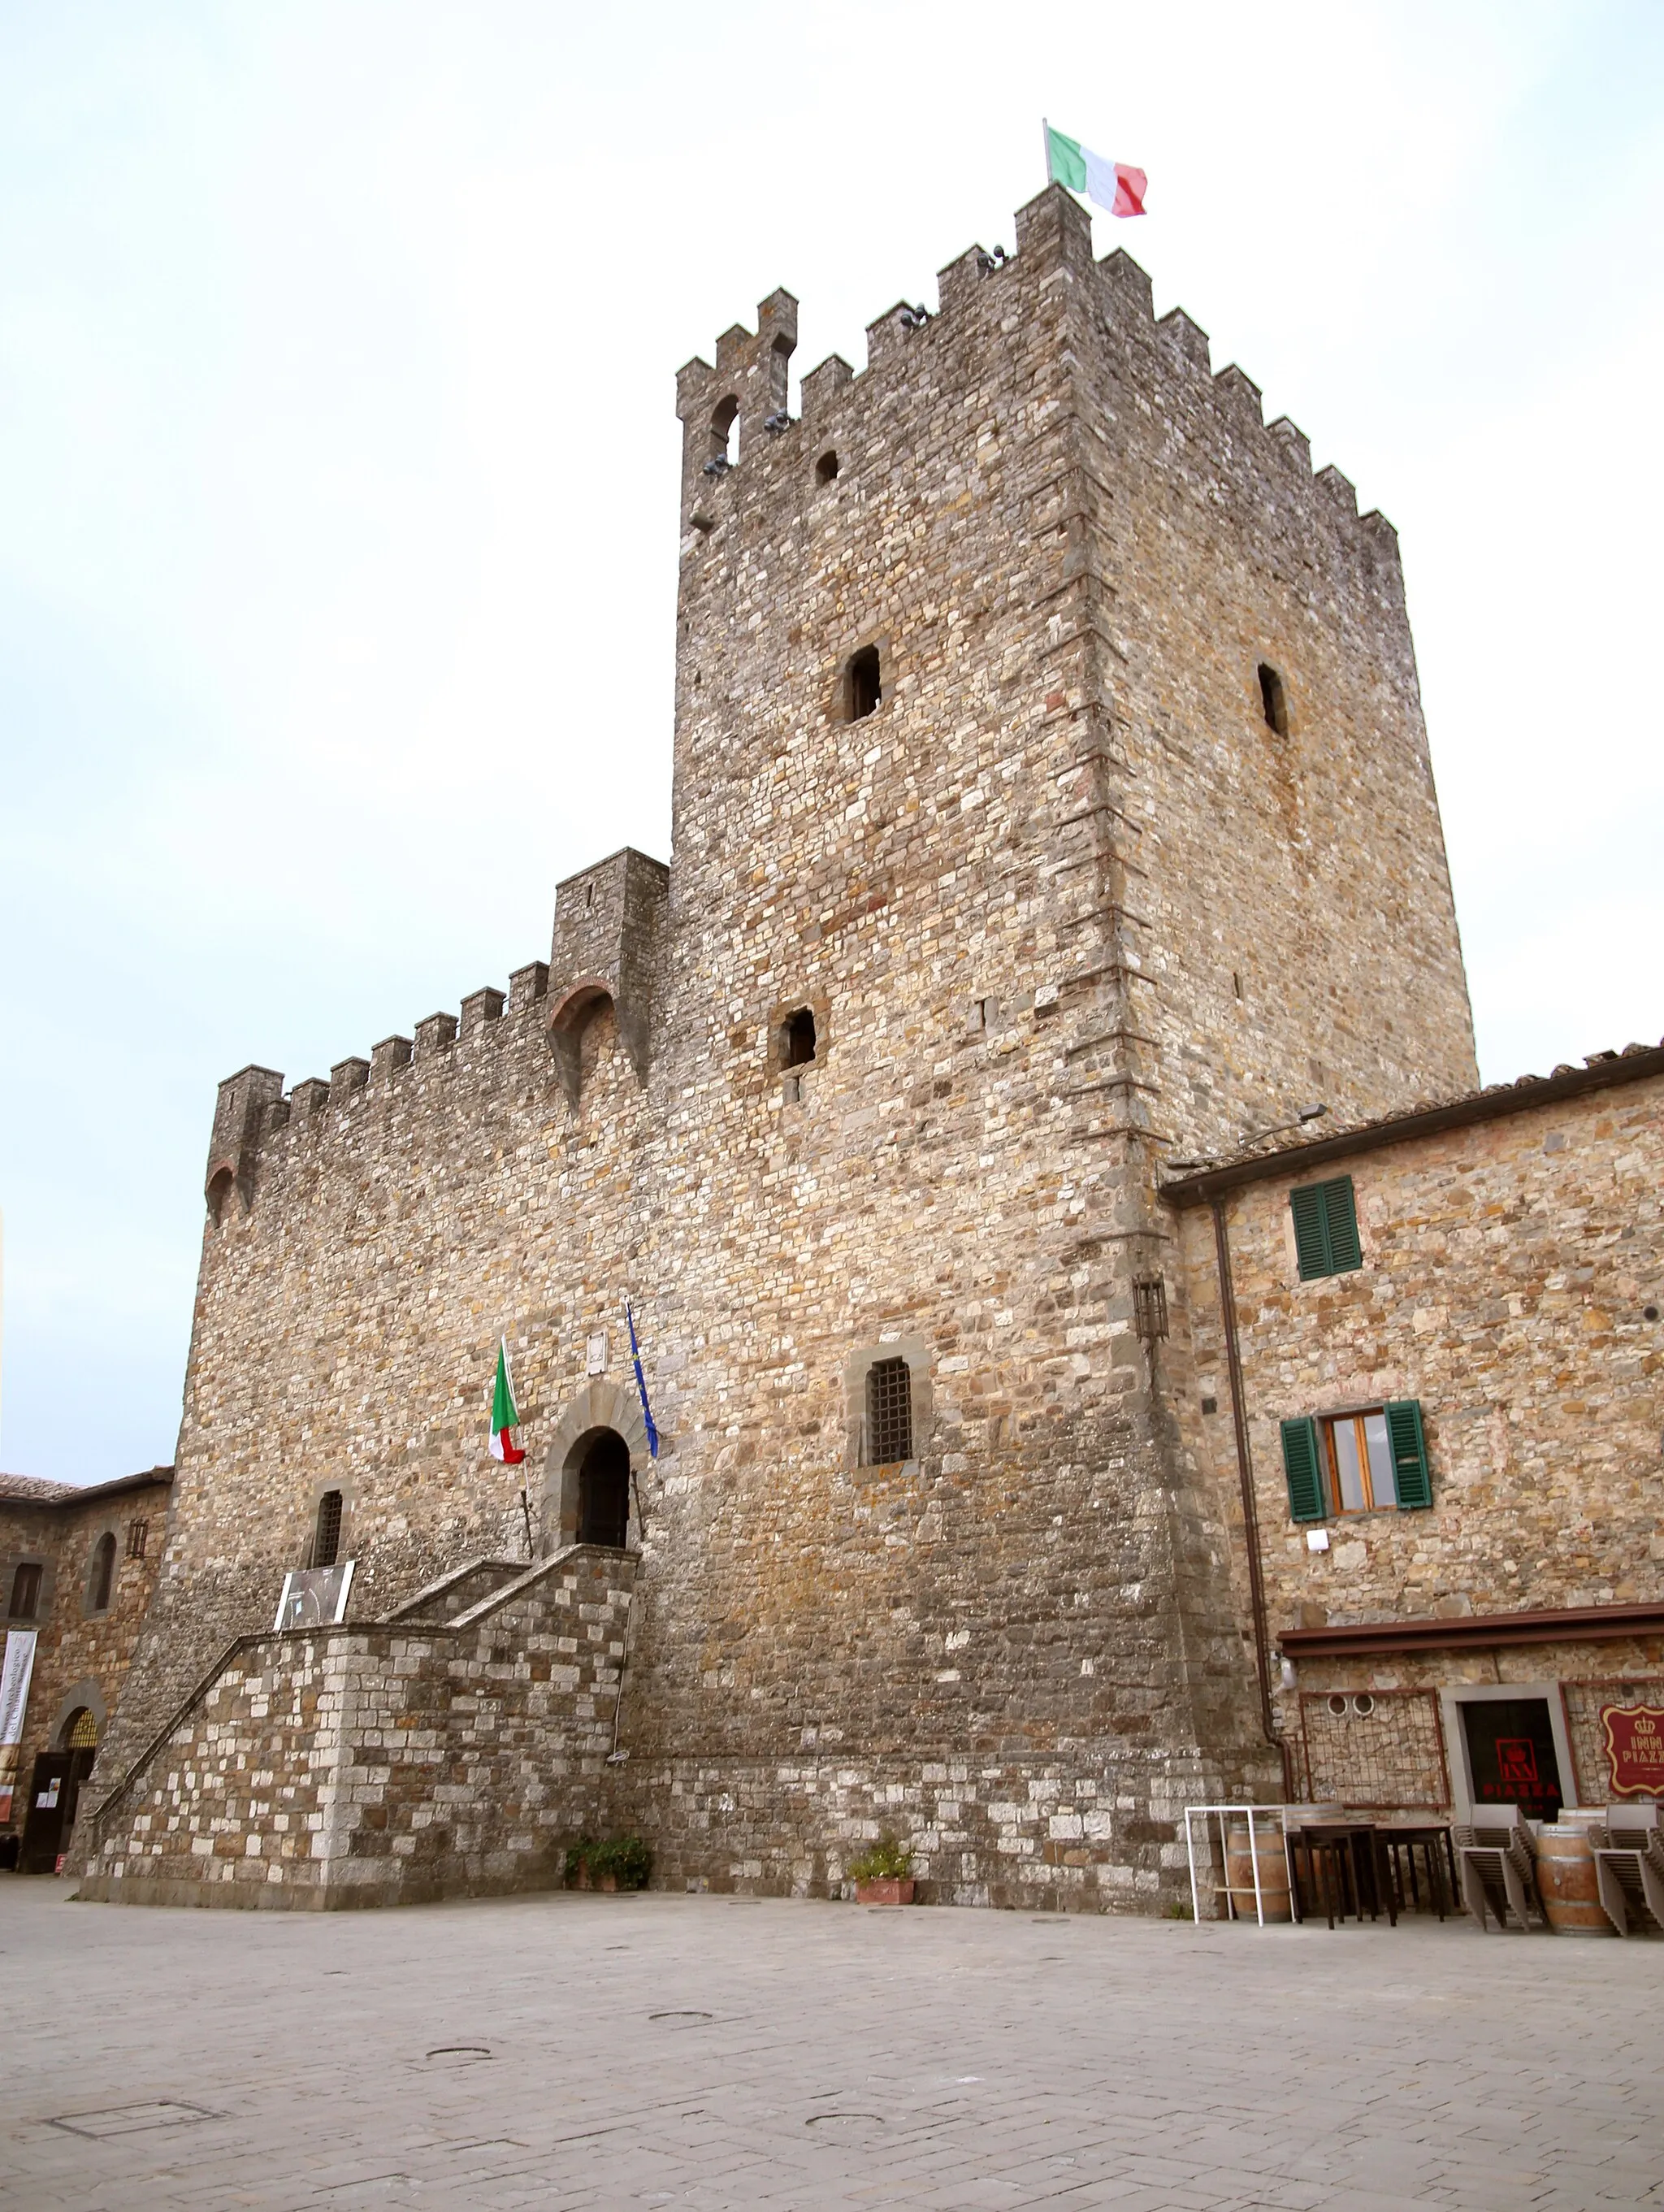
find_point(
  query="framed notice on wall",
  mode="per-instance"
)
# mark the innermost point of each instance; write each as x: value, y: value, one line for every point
x: 1633, y: 1740
x: 314, y: 1597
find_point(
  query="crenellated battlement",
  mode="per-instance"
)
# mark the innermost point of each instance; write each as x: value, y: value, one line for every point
x: 977, y: 293
x: 606, y: 942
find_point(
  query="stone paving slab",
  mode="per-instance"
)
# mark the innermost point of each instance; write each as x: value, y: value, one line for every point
x: 591, y: 2054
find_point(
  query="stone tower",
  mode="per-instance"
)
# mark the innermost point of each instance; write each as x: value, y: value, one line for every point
x: 1052, y: 802
x: 1118, y: 852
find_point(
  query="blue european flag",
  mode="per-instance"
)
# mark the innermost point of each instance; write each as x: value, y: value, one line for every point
x: 641, y: 1383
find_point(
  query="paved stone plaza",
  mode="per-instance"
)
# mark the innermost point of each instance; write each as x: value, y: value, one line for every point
x: 586, y: 2052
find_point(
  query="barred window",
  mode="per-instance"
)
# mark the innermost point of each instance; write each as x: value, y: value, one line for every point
x: 138, y: 1539
x: 888, y: 1413
x: 327, y: 1544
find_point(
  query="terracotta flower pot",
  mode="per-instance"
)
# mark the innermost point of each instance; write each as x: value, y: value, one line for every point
x: 887, y: 1889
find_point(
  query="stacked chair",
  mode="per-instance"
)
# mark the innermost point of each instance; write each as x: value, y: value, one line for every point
x: 1629, y: 1865
x: 1497, y: 1856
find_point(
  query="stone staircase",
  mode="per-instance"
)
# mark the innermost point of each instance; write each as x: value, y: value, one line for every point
x: 450, y: 1748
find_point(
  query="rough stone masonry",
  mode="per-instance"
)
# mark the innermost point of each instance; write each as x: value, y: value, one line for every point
x: 1052, y: 799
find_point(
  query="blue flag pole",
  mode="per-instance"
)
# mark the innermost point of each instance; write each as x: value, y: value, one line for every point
x: 641, y: 1383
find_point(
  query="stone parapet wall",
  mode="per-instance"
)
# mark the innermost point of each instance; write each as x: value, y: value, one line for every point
x: 378, y: 1764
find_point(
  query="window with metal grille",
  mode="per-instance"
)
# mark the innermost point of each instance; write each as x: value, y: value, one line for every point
x: 138, y: 1539
x: 888, y: 1413
x: 25, y: 1591
x: 326, y: 1543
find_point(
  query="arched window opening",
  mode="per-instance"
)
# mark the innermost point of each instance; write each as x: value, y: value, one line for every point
x: 797, y: 1042
x: 866, y: 686
x: 1272, y: 700
x: 581, y: 1028
x: 725, y: 437
x: 604, y: 1491
x: 218, y: 1192
x: 104, y: 1574
x: 25, y: 1591
x: 80, y: 1730
x: 327, y: 1539
x: 826, y: 468
x: 888, y: 1413
x: 780, y: 366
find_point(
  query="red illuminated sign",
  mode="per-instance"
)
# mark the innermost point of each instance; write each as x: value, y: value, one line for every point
x: 1635, y: 1749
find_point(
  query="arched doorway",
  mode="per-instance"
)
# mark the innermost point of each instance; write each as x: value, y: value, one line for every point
x: 600, y: 1459
x: 54, y: 1789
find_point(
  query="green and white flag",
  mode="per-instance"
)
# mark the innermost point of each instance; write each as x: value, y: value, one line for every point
x: 1113, y: 185
x: 504, y: 1418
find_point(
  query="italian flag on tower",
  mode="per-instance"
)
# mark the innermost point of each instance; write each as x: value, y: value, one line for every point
x: 504, y: 1418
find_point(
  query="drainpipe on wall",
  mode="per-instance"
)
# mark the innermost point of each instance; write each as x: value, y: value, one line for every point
x: 1245, y: 1474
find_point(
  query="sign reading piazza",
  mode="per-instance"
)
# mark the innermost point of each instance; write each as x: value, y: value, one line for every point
x: 1635, y: 1749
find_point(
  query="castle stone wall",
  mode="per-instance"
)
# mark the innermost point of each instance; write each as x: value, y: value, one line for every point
x: 1020, y: 899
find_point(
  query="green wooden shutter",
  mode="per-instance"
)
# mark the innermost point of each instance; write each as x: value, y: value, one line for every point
x: 1311, y: 1237
x: 1305, y: 1474
x: 1325, y: 1241
x: 1340, y: 1210
x: 1404, y: 1434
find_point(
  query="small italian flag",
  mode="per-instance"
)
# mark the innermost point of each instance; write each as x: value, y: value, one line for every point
x: 504, y: 1418
x: 1111, y: 184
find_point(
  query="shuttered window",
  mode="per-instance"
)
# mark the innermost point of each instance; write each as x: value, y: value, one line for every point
x: 1368, y: 1462
x: 1404, y: 1432
x: 1325, y: 1239
x: 1300, y: 1464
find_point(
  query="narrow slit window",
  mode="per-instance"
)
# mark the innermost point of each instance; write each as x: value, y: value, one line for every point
x: 865, y: 684
x: 797, y: 1038
x: 888, y: 1413
x: 104, y: 1574
x: 1273, y: 700
x: 326, y: 1542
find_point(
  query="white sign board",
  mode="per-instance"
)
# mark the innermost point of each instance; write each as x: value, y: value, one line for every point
x: 314, y: 1597
x: 14, y: 1702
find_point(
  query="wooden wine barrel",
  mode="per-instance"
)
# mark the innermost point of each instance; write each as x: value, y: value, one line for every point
x: 1566, y: 1883
x: 1274, y: 1870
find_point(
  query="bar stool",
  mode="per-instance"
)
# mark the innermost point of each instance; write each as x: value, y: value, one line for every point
x: 1346, y: 1862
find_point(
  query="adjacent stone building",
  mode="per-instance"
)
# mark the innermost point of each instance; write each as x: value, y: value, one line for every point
x: 1052, y: 802
x: 78, y: 1570
x: 1431, y: 1400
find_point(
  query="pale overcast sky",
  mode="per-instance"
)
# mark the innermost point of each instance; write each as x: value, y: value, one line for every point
x: 337, y: 493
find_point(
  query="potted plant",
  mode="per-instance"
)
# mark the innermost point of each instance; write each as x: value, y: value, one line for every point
x: 882, y: 1874
x: 620, y: 1862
